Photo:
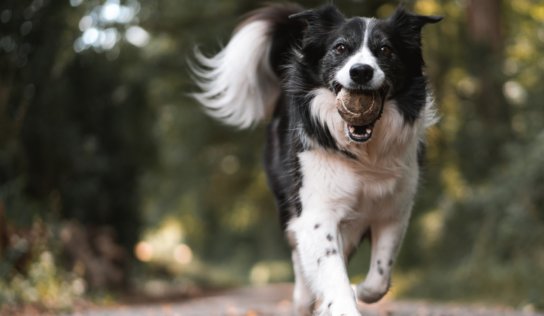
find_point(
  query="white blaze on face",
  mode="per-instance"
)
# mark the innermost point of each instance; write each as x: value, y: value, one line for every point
x: 362, y: 56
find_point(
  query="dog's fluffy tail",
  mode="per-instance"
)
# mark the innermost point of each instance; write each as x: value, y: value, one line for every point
x: 241, y: 84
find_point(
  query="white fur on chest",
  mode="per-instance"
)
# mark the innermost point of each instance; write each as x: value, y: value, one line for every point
x: 381, y: 163
x: 356, y: 193
x: 379, y: 184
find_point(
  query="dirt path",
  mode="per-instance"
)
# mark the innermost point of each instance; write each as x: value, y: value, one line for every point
x: 275, y: 300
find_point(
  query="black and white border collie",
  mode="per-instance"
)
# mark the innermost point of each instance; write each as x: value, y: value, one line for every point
x: 334, y: 183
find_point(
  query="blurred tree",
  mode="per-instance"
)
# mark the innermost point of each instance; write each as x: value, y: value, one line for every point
x: 484, y: 55
x: 78, y: 129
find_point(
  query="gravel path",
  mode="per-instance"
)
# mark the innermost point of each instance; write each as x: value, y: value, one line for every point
x: 275, y: 300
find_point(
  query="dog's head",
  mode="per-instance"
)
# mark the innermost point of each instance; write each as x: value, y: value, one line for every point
x: 364, y: 59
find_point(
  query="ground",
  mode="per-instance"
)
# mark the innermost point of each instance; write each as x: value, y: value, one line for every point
x: 275, y: 300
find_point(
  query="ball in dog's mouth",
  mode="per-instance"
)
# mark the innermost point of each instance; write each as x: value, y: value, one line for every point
x: 360, y: 110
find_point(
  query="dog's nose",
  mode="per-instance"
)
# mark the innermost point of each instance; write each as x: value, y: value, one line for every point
x: 361, y: 73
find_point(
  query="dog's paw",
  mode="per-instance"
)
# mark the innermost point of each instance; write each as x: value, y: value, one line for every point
x: 370, y: 294
x: 339, y: 308
x: 345, y: 313
x: 303, y: 309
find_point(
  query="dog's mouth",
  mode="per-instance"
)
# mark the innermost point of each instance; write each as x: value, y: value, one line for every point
x: 359, y: 133
x: 360, y: 109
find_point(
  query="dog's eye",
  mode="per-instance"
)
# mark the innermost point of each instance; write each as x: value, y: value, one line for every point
x: 386, y: 51
x: 340, y: 49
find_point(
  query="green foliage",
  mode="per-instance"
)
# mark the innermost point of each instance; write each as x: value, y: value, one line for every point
x: 31, y: 273
x: 43, y: 284
x: 77, y: 134
x: 492, y: 242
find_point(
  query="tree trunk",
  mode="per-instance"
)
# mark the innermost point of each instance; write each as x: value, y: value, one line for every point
x: 485, y: 55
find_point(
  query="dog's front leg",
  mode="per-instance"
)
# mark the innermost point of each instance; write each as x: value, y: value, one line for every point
x: 319, y: 250
x: 303, y: 298
x: 327, y: 195
x: 386, y: 240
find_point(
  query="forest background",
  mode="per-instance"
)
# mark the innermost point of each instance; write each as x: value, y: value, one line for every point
x: 112, y: 179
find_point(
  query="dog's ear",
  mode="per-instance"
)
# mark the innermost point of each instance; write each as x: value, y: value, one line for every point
x: 407, y: 21
x: 316, y: 26
x: 407, y: 26
x: 325, y: 17
x: 406, y: 36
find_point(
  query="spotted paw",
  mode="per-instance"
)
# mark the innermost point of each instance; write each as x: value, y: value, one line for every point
x: 340, y: 308
x: 369, y: 294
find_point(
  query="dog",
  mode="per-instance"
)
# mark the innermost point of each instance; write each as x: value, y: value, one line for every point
x: 335, y: 179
